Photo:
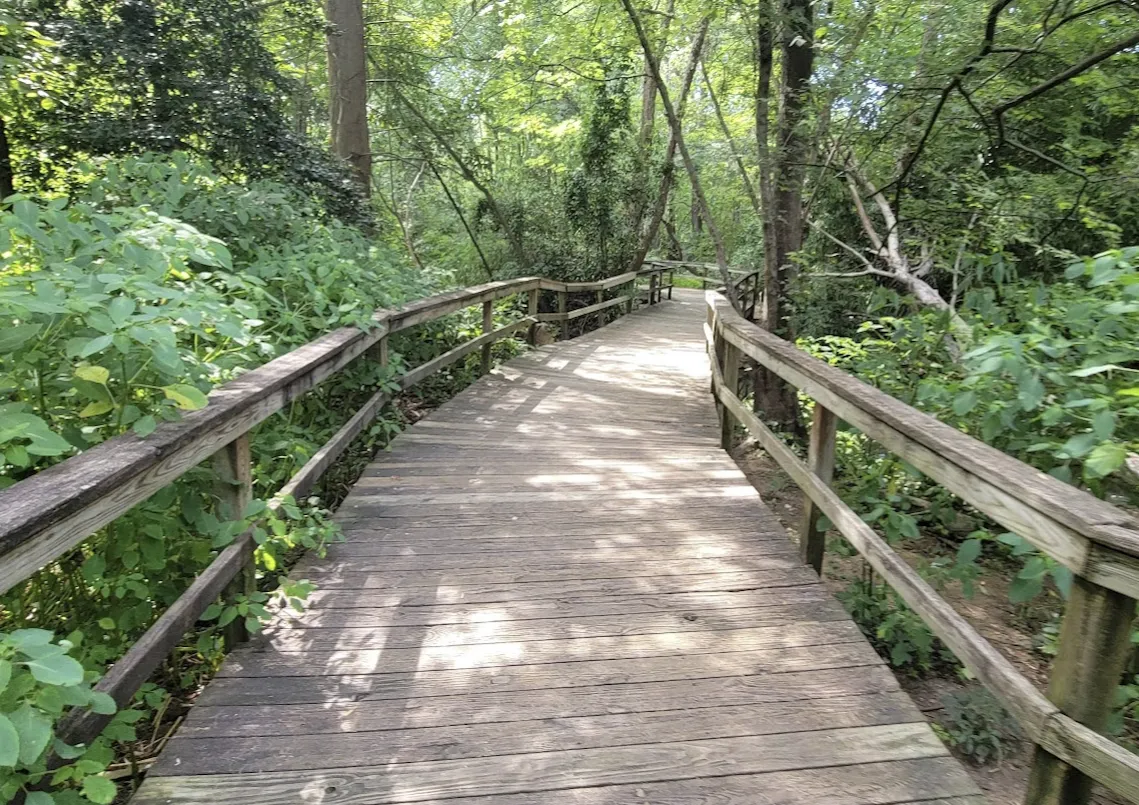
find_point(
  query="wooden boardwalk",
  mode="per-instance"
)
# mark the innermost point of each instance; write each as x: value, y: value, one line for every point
x: 559, y: 589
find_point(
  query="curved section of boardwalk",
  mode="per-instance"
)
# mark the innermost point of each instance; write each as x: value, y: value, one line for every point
x: 558, y: 589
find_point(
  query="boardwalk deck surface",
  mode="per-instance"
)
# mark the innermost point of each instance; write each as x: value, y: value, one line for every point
x: 558, y: 589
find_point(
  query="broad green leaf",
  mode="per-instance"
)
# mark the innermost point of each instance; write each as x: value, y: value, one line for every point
x: 22, y: 638
x: 1105, y: 459
x: 1088, y: 371
x: 145, y: 425
x: 9, y: 743
x: 34, y: 728
x: 1022, y: 590
x: 99, y: 790
x: 5, y: 674
x: 1103, y: 424
x: 95, y: 374
x: 1080, y: 445
x: 12, y: 338
x: 1031, y: 393
x: 103, y: 704
x: 95, y: 345
x: 120, y: 310
x: 39, y: 798
x: 186, y: 397
x: 964, y: 403
x: 96, y: 408
x: 57, y: 670
x: 969, y: 551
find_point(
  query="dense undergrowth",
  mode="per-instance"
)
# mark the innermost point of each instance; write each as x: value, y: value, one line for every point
x: 153, y: 281
x: 1052, y: 378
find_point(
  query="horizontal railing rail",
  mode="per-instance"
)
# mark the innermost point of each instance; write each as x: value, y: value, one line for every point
x: 1097, y: 541
x: 50, y: 513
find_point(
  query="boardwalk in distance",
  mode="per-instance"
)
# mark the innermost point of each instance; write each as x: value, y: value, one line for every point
x: 559, y: 589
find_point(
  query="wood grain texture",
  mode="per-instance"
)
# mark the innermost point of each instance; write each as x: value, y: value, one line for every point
x: 557, y: 588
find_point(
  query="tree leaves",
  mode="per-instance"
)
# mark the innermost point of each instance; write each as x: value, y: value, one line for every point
x: 58, y: 669
x: 186, y: 397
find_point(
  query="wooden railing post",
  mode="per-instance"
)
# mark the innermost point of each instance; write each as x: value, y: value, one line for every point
x: 820, y: 461
x: 653, y: 280
x: 563, y: 307
x: 599, y: 298
x: 632, y: 294
x: 1095, y: 639
x: 532, y: 310
x: 729, y: 356
x: 233, y: 466
x: 487, y: 326
x: 671, y: 281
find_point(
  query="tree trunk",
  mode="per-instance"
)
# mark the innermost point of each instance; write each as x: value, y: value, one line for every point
x: 463, y: 219
x: 348, y: 88
x: 781, y: 180
x: 748, y: 187
x: 667, y: 173
x: 7, y: 175
x: 649, y: 86
x: 689, y: 165
x: 517, y: 247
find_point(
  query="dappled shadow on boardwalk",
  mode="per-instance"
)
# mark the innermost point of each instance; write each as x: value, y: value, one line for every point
x: 558, y: 588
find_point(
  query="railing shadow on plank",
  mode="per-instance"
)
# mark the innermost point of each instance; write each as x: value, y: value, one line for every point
x: 1098, y: 542
x: 52, y: 512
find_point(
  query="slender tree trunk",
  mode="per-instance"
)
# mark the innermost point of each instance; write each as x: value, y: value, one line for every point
x: 348, y: 88
x: 765, y: 60
x: 689, y: 165
x: 462, y: 218
x: 781, y: 179
x: 649, y: 86
x: 749, y: 188
x: 668, y: 172
x: 514, y: 240
x: 7, y: 175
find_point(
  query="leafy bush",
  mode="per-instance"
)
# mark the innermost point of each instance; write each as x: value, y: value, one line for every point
x: 895, y: 630
x: 977, y: 725
x: 120, y: 308
x: 38, y: 681
x: 1052, y: 380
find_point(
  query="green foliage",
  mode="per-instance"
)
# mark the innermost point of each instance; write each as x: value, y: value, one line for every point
x: 39, y: 682
x: 125, y: 79
x: 895, y: 630
x: 121, y: 308
x: 977, y: 725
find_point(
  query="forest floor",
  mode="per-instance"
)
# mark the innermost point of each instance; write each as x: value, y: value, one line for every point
x: 1010, y: 628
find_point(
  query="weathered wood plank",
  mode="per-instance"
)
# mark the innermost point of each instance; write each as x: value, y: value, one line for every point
x: 482, y: 708
x: 348, y: 638
x: 551, y: 771
x: 264, y: 660
x: 582, y: 673
x: 283, y: 753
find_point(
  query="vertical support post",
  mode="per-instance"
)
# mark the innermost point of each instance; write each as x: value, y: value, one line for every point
x: 563, y: 307
x: 599, y: 297
x: 632, y: 294
x: 671, y: 281
x: 532, y: 310
x: 820, y: 460
x: 378, y: 352
x: 653, y: 280
x: 730, y: 366
x: 233, y: 466
x: 487, y: 326
x: 1094, y: 644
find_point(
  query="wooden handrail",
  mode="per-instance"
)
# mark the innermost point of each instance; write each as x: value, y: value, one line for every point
x: 1099, y: 542
x: 51, y: 512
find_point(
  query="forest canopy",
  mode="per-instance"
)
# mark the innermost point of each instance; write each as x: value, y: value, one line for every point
x: 941, y: 197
